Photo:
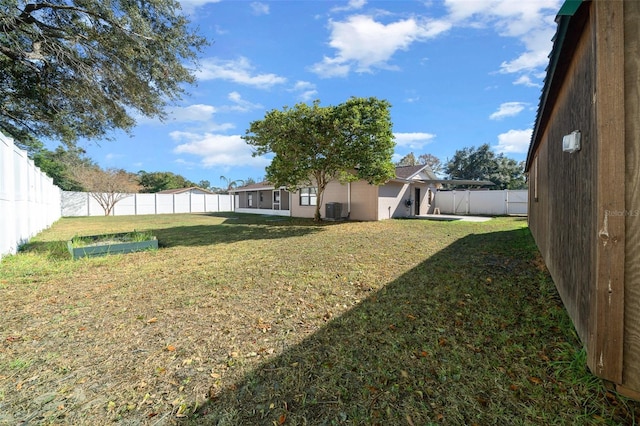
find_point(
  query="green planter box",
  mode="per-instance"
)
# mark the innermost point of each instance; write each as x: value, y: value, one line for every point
x: 101, y: 245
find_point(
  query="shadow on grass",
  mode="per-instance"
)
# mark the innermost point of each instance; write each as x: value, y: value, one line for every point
x: 470, y: 336
x: 236, y: 227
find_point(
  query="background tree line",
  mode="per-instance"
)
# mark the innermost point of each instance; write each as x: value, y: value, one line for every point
x: 71, y: 169
x: 473, y: 163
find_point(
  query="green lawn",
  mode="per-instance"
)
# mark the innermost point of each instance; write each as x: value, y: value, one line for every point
x: 251, y: 320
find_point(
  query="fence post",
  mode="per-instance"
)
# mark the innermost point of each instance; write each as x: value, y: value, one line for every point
x: 506, y: 201
x: 468, y: 202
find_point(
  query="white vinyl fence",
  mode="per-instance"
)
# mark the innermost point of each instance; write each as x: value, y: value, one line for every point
x: 29, y: 201
x: 490, y: 203
x: 83, y: 204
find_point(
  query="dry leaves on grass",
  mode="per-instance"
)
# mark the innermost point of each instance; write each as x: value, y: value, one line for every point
x: 232, y: 316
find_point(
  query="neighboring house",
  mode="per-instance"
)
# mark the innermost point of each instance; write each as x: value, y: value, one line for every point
x: 410, y: 193
x: 190, y: 190
x: 584, y: 199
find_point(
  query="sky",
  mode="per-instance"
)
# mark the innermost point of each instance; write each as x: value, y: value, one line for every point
x: 458, y: 73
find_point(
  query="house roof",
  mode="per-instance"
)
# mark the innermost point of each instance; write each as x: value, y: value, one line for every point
x: 403, y: 174
x: 183, y: 190
x: 570, y: 20
x: 410, y: 172
x: 253, y: 187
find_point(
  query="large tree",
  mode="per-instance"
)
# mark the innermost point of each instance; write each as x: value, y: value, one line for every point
x: 72, y: 69
x: 313, y: 145
x: 432, y: 161
x: 483, y: 164
x: 229, y: 184
x: 57, y: 164
x: 108, y: 186
x: 408, y: 160
x: 159, y: 181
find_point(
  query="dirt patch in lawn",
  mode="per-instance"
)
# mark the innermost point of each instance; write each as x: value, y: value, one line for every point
x: 247, y: 321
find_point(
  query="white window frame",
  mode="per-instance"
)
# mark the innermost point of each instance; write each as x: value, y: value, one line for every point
x: 309, y: 196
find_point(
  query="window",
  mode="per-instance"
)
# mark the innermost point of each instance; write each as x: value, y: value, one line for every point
x: 308, y: 196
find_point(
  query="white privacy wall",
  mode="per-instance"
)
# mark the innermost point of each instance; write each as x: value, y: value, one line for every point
x: 29, y: 201
x: 490, y: 203
x: 83, y: 204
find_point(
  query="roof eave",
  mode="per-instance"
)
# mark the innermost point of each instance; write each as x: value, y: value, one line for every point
x: 564, y: 18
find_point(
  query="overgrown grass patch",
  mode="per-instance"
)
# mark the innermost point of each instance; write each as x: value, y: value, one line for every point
x: 238, y: 319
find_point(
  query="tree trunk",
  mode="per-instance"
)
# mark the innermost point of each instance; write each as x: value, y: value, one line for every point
x: 317, y: 217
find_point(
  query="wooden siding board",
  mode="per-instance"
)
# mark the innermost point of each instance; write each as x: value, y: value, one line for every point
x: 606, y: 341
x: 631, y: 363
x: 567, y: 191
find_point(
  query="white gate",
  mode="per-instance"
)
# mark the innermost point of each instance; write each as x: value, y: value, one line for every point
x: 487, y: 203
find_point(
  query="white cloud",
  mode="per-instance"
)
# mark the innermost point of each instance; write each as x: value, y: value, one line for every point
x: 528, y: 61
x: 514, y: 141
x: 240, y: 105
x: 199, y: 115
x: 216, y: 150
x: 363, y: 43
x: 191, y: 113
x: 306, y: 90
x: 259, y: 8
x: 532, y: 22
x: 189, y: 6
x: 238, y: 71
x: 330, y: 67
x: 508, y: 109
x: 351, y: 5
x: 413, y: 140
x: 525, y: 80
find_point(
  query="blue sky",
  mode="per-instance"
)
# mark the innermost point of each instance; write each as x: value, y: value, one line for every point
x: 457, y: 73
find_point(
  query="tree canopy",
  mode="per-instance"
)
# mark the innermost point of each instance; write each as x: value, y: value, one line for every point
x: 483, y: 164
x: 408, y: 160
x: 430, y: 160
x: 72, y: 69
x: 58, y: 164
x: 313, y: 145
x: 434, y: 163
x: 229, y: 184
x: 159, y: 181
x: 108, y: 186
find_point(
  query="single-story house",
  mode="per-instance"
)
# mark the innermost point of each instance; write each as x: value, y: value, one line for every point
x: 191, y: 190
x: 410, y: 193
x: 584, y: 171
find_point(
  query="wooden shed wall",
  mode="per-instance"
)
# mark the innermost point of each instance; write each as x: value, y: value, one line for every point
x: 631, y: 363
x: 579, y: 205
x: 563, y: 218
